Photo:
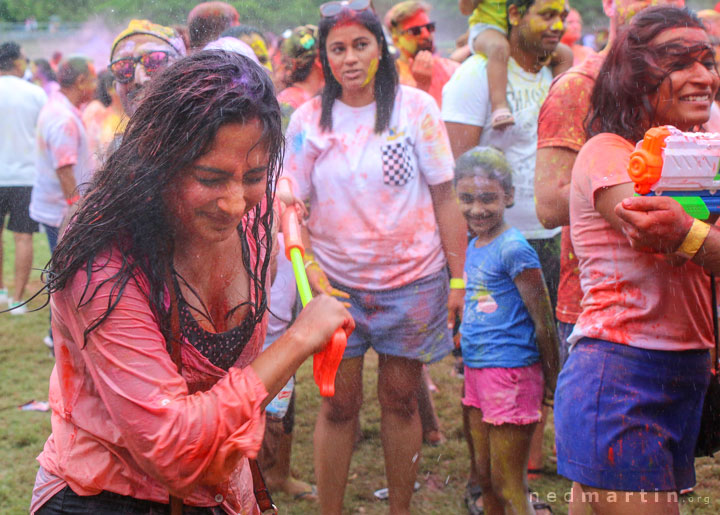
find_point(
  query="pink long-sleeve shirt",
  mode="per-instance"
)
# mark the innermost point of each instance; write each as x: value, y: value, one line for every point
x: 124, y: 420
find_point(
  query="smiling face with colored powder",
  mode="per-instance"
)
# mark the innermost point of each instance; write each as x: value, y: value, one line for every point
x: 209, y: 199
x: 687, y: 92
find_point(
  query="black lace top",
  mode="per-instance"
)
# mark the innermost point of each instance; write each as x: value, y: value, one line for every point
x: 221, y: 349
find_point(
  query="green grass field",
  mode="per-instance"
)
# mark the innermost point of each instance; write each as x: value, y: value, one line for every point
x: 25, y: 366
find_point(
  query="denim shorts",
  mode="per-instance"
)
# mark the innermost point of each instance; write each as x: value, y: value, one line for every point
x: 627, y: 419
x: 409, y: 322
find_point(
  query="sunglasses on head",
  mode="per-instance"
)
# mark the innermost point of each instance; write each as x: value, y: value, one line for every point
x: 123, y: 69
x: 330, y: 9
x: 416, y: 31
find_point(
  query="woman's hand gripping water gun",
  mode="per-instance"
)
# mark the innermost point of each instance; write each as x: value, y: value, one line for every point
x: 327, y: 361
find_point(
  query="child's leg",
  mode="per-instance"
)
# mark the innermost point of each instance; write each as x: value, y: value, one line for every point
x: 432, y: 435
x: 480, y: 436
x: 535, y: 464
x: 562, y: 59
x: 495, y: 45
x: 509, y: 453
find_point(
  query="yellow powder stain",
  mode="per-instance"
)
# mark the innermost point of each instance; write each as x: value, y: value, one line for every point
x: 407, y: 44
x: 372, y: 70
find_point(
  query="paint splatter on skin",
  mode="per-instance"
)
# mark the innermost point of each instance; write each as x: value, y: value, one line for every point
x: 372, y: 70
x: 407, y: 45
x: 549, y: 16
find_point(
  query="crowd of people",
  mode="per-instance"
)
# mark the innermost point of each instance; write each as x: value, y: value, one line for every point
x: 476, y: 204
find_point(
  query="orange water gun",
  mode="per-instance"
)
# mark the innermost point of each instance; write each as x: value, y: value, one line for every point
x: 681, y: 165
x: 327, y: 361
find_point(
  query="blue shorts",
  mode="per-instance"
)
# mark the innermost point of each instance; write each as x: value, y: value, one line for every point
x: 627, y: 418
x: 409, y: 322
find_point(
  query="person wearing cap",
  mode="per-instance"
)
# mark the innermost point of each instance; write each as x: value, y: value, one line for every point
x: 138, y: 52
x: 303, y: 69
x: 412, y: 34
x: 208, y: 20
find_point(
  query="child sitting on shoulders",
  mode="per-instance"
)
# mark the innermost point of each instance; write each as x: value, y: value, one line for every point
x: 488, y: 36
x: 509, y: 343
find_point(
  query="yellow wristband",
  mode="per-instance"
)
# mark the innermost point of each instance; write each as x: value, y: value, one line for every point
x: 695, y: 238
x: 457, y: 284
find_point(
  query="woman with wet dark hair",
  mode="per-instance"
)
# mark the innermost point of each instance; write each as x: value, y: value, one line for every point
x: 159, y: 297
x: 629, y: 398
x: 374, y: 161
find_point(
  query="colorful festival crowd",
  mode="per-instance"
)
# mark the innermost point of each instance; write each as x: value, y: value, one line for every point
x: 477, y: 205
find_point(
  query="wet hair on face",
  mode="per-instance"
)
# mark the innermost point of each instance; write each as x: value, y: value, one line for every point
x: 635, y: 68
x: 175, y: 123
x: 485, y: 162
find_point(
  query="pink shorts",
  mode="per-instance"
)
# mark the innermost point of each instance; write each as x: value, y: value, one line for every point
x: 505, y: 395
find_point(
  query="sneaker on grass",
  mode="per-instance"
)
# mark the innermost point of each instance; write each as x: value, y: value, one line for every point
x: 17, y: 308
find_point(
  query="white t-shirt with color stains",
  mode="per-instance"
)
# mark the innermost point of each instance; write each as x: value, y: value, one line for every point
x: 372, y: 224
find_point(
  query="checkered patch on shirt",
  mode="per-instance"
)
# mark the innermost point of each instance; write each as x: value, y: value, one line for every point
x: 397, y: 166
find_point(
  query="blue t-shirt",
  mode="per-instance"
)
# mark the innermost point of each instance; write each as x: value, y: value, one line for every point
x: 497, y: 330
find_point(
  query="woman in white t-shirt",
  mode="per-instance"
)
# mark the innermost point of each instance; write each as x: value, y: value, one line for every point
x: 374, y: 162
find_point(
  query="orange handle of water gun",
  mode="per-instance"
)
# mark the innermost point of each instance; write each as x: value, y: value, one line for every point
x: 645, y: 166
x: 327, y: 361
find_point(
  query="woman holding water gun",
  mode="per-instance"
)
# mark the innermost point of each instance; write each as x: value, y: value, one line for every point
x: 629, y: 398
x: 374, y: 162
x: 159, y: 296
